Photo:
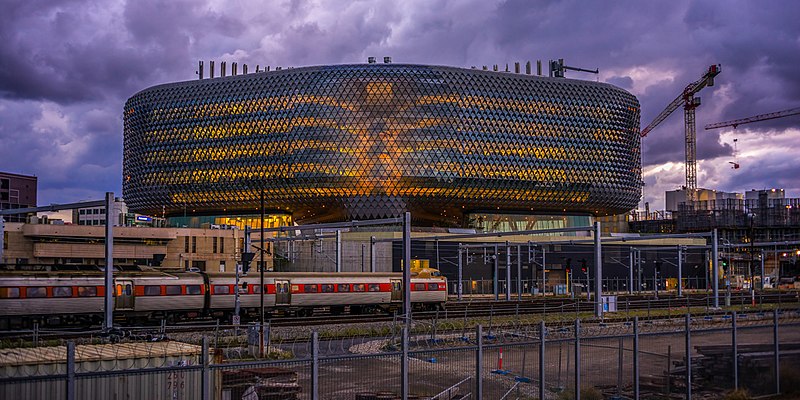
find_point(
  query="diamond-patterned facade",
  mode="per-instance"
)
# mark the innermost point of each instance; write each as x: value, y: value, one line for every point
x: 375, y: 140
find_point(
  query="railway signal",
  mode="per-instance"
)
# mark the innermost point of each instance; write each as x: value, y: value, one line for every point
x: 247, y: 258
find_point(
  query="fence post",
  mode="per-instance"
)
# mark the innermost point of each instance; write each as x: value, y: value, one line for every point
x: 70, y: 370
x: 479, y: 363
x: 577, y: 360
x: 735, y: 352
x: 620, y: 366
x: 459, y: 287
x: 404, y: 367
x: 688, y: 357
x: 542, y: 332
x: 777, y: 359
x: 314, y: 365
x: 265, y: 336
x: 205, y: 394
x: 636, y: 358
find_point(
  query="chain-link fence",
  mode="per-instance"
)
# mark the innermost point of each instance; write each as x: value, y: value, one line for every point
x: 514, y: 358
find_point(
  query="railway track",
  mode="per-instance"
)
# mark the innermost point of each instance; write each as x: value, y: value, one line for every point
x: 473, y: 308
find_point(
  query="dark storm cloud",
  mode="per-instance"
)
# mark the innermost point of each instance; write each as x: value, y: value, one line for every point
x: 67, y: 67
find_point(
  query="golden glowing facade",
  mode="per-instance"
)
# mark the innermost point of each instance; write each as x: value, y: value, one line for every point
x: 375, y: 140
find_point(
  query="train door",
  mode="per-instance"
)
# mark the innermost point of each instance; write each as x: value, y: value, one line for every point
x: 124, y: 298
x: 283, y: 294
x: 397, y: 289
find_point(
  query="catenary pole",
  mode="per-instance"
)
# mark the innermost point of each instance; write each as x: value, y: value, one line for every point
x: 109, y: 271
x: 598, y: 272
x: 715, y: 267
x: 261, y: 269
x: 407, y: 269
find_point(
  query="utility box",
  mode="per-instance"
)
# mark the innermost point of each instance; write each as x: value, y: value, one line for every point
x: 609, y: 303
x: 560, y: 289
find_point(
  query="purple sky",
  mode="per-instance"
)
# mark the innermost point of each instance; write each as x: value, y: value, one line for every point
x: 67, y: 67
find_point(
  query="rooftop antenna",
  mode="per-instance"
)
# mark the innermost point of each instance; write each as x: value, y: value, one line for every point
x: 557, y: 69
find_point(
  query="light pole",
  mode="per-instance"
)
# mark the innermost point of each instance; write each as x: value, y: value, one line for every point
x: 751, y: 268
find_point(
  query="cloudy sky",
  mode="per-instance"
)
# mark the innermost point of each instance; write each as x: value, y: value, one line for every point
x: 67, y: 67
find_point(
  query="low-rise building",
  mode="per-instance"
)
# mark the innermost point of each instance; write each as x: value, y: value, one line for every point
x: 181, y: 248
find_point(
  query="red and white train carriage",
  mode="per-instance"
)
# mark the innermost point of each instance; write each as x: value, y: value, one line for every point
x: 56, y: 298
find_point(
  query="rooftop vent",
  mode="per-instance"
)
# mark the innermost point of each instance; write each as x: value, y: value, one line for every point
x: 371, y: 60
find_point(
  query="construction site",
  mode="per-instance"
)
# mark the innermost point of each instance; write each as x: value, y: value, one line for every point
x: 761, y: 227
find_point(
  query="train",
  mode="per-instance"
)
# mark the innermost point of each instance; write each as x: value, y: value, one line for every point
x: 143, y: 294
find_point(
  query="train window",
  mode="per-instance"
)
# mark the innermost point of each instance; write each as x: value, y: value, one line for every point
x: 326, y: 288
x: 419, y: 287
x: 374, y: 287
x: 433, y: 286
x: 173, y: 290
x: 243, y: 287
x: 343, y: 287
x: 9, y: 293
x: 193, y: 289
x: 222, y: 289
x: 87, y: 291
x: 62, y: 291
x: 359, y: 287
x: 35, y: 292
x: 310, y: 288
x: 257, y: 289
x: 152, y: 290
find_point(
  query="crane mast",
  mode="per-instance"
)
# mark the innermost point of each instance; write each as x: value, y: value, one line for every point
x: 690, y: 102
x: 761, y: 117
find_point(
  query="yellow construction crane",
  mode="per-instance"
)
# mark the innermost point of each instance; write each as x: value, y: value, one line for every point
x: 690, y: 102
